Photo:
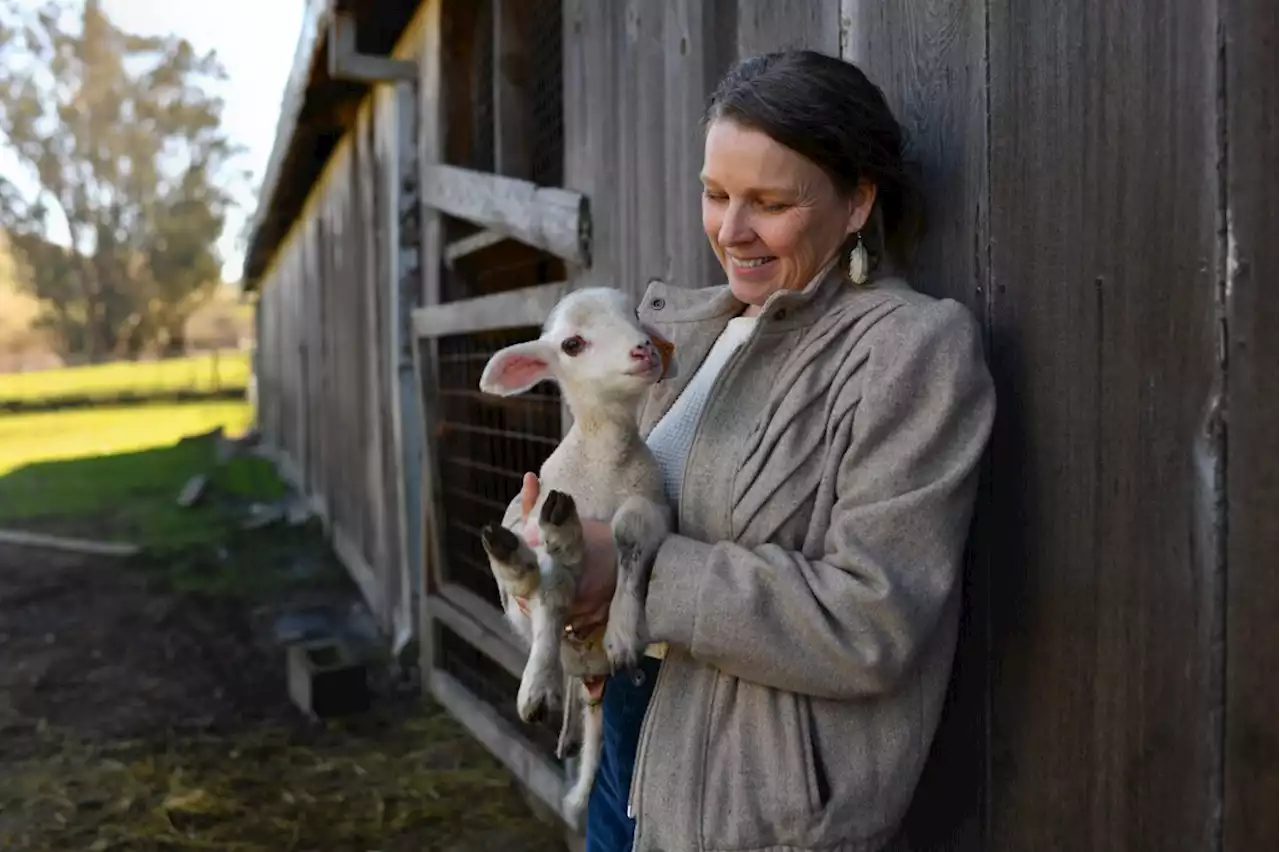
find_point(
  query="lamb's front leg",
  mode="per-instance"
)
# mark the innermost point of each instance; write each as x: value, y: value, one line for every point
x: 557, y: 582
x: 639, y: 527
x: 520, y: 574
x: 515, y: 569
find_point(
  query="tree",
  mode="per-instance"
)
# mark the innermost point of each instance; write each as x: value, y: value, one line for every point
x: 123, y: 137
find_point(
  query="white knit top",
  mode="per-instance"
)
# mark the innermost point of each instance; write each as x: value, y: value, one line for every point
x: 671, y: 438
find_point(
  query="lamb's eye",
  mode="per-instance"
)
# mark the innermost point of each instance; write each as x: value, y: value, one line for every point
x: 573, y: 346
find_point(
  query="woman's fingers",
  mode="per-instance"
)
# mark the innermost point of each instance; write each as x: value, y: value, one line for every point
x: 528, y: 495
x: 583, y: 623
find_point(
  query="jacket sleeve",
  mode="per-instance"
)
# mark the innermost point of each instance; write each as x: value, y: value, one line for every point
x: 851, y: 622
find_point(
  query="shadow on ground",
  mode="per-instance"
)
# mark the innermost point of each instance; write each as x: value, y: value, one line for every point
x: 143, y: 701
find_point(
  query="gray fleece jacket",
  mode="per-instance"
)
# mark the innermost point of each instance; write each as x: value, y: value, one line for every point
x: 810, y: 597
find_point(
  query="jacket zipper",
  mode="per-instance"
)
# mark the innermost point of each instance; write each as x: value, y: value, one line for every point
x: 633, y: 798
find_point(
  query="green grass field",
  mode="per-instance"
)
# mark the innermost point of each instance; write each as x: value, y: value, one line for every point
x: 200, y: 373
x: 114, y: 473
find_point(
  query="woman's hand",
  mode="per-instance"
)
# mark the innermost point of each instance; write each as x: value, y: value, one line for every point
x: 590, y: 607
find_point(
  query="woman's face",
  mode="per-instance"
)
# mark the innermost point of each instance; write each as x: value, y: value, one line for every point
x: 772, y: 215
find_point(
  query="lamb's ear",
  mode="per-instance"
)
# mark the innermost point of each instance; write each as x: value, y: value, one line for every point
x: 667, y: 349
x: 517, y: 368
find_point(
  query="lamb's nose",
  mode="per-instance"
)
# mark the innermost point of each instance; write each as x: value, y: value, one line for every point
x: 641, y: 352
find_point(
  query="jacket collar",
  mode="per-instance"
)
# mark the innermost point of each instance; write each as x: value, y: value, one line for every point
x: 695, y: 318
x: 783, y: 311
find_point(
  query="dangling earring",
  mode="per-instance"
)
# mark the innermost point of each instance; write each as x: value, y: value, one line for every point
x: 858, y: 262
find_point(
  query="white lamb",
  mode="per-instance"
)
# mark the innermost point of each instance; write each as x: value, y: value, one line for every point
x: 594, y: 347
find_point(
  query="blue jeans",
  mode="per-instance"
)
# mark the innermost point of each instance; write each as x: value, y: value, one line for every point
x: 626, y: 695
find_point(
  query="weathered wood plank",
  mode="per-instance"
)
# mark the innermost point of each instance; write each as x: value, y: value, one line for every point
x: 405, y: 471
x: 548, y: 218
x: 26, y: 538
x: 430, y: 149
x: 458, y: 249
x: 513, y: 91
x: 374, y: 232
x: 484, y: 633
x: 1249, y: 783
x: 928, y: 58
x: 699, y: 43
x: 316, y: 355
x: 1103, y: 345
x: 592, y: 36
x: 645, y: 144
x: 385, y: 464
x: 512, y: 309
x: 537, y: 773
x: 768, y: 25
x: 433, y: 556
x: 348, y: 402
x: 367, y: 580
x: 347, y: 63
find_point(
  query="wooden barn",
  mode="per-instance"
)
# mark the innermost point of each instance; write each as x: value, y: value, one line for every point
x: 1102, y: 186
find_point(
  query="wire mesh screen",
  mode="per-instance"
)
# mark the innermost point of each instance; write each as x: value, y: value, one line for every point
x: 486, y: 444
x: 548, y: 94
x: 495, y: 686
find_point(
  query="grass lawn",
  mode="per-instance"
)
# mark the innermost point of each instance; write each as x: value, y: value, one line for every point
x: 205, y: 372
x: 117, y: 471
x: 143, y: 699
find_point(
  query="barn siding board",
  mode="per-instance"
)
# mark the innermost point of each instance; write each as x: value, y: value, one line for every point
x: 699, y: 47
x: 644, y: 138
x: 373, y: 228
x: 434, y: 51
x: 316, y: 352
x: 768, y: 25
x: 1103, y: 223
x: 1249, y: 788
x: 928, y: 59
x: 636, y: 77
x: 591, y: 39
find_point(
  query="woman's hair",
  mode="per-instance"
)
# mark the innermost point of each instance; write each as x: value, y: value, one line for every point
x: 828, y: 111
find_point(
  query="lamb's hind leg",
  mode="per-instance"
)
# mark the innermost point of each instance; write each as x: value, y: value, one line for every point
x: 575, y: 801
x: 639, y: 526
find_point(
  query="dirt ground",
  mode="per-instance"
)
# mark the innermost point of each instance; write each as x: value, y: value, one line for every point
x: 137, y: 718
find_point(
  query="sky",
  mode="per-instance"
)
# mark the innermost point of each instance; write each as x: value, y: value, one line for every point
x: 255, y: 41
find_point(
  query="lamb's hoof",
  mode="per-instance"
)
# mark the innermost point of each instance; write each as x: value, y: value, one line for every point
x: 622, y: 649
x: 535, y: 715
x: 535, y: 699
x: 574, y: 807
x: 624, y: 639
x: 622, y: 658
x: 558, y: 509
x: 499, y: 542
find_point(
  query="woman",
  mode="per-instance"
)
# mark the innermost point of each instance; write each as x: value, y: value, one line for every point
x: 821, y: 447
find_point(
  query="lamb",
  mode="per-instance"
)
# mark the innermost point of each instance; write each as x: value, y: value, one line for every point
x: 594, y: 347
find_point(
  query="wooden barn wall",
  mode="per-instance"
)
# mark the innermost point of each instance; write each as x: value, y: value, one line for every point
x: 1249, y: 291
x: 337, y: 405
x: 1106, y: 600
x: 1101, y: 194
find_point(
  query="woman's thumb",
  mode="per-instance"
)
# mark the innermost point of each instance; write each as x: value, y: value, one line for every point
x: 528, y: 495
